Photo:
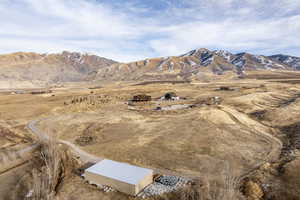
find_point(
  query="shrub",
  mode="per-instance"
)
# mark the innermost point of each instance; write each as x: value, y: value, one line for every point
x: 47, y: 180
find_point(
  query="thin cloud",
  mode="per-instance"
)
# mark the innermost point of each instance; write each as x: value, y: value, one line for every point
x: 136, y: 29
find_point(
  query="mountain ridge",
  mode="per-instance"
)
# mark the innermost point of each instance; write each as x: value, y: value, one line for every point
x: 29, y: 69
x: 196, y: 63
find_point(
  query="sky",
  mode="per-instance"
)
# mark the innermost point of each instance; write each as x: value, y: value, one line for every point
x: 129, y: 30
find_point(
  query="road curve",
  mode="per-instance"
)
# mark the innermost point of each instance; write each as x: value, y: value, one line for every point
x: 87, y: 157
x: 276, y: 144
x: 83, y: 156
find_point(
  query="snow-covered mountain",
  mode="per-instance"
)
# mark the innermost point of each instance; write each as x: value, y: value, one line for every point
x: 292, y: 61
x: 196, y: 63
x: 34, y: 70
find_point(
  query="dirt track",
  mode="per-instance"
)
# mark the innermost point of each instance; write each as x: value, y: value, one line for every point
x: 188, y: 142
x: 255, y: 130
x: 84, y: 156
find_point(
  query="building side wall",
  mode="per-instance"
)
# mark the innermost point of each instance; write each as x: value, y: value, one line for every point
x: 118, y: 185
x: 144, y: 183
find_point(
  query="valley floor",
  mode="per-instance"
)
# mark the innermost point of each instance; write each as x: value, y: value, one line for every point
x: 233, y: 126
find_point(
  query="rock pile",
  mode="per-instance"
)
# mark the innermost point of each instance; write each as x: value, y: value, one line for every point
x: 164, y: 184
x: 168, y: 180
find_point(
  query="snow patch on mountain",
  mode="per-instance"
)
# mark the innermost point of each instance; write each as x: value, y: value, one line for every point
x: 207, y: 60
x: 225, y: 54
x: 239, y: 61
x: 292, y: 61
x: 160, y: 66
x: 192, y: 63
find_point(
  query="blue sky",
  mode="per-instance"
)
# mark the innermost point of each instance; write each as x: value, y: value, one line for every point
x: 137, y: 29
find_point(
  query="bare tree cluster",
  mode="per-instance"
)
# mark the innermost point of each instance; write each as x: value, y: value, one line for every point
x: 47, y: 179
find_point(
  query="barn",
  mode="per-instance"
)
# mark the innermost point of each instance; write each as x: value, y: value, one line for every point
x: 123, y: 177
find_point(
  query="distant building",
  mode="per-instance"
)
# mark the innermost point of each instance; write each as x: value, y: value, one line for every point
x: 41, y: 92
x: 123, y: 177
x: 141, y: 97
x: 170, y: 96
x: 18, y: 92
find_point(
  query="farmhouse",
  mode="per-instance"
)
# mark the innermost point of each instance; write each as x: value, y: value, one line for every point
x: 123, y: 177
x: 141, y: 97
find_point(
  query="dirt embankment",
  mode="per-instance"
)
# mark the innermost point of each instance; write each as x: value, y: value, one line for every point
x: 291, y: 140
x: 280, y: 179
x: 10, y: 138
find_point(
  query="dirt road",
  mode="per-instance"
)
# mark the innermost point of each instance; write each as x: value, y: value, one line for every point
x: 83, y: 156
x: 257, y: 130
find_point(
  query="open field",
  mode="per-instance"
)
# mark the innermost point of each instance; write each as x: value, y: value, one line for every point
x: 242, y: 129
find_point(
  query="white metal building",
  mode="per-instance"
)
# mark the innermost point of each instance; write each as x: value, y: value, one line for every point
x: 123, y: 177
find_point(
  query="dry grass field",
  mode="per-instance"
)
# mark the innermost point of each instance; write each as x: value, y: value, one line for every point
x: 207, y: 131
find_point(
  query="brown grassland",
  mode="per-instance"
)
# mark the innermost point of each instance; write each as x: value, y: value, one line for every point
x: 236, y: 148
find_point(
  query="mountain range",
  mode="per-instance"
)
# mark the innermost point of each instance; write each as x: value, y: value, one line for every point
x: 196, y: 64
x: 21, y: 70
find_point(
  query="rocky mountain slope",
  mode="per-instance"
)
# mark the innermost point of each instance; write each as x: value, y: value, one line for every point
x: 292, y: 61
x: 197, y: 64
x: 22, y: 70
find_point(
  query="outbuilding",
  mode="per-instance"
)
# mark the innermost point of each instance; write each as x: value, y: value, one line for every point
x: 123, y: 177
x: 170, y: 96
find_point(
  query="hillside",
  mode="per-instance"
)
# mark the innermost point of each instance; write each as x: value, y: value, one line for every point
x: 197, y: 64
x: 22, y: 70
x: 29, y: 70
x: 288, y: 60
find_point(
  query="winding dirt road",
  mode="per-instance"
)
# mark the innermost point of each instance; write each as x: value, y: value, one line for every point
x: 256, y: 129
x: 240, y: 118
x: 83, y: 156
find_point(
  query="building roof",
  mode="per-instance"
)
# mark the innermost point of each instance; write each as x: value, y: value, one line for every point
x: 119, y: 171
